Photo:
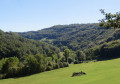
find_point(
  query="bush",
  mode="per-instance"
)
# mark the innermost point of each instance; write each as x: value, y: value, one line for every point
x: 78, y: 73
x: 75, y: 62
x: 12, y: 73
x: 50, y: 64
x: 55, y: 66
x: 49, y: 68
x: 61, y: 65
x: 2, y: 76
x: 62, y: 59
x: 70, y: 60
x: 65, y: 64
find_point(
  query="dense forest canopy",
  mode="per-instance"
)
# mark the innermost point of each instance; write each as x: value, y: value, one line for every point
x: 11, y: 44
x: 74, y: 36
x: 80, y: 38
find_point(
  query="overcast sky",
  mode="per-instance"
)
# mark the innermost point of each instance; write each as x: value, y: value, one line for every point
x: 27, y: 15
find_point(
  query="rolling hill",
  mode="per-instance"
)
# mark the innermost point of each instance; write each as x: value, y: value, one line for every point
x: 74, y: 36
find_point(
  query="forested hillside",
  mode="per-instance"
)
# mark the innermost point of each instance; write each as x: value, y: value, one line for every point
x: 11, y: 44
x: 79, y: 43
x: 74, y: 36
x: 20, y: 56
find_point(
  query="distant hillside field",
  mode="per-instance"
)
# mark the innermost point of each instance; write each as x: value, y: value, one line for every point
x: 74, y: 36
x: 102, y: 72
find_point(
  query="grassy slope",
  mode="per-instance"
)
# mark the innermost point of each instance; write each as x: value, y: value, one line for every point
x: 103, y: 72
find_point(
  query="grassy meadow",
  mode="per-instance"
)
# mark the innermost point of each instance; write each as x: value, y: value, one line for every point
x: 102, y: 72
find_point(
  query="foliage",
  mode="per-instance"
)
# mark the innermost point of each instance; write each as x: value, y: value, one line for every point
x: 74, y: 36
x: 108, y: 50
x: 67, y: 54
x: 49, y: 68
x: 61, y: 65
x: 90, y: 54
x: 31, y: 64
x: 70, y: 60
x: 65, y: 64
x: 50, y: 64
x: 110, y: 20
x: 101, y: 72
x: 76, y: 62
x: 81, y: 56
x: 56, y: 66
x: 11, y: 44
x: 10, y: 66
x: 41, y: 62
x: 21, y: 56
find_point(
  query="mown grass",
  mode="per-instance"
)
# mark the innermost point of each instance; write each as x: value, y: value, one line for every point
x: 102, y: 72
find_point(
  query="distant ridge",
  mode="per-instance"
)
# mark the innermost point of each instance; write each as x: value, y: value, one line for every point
x: 74, y: 36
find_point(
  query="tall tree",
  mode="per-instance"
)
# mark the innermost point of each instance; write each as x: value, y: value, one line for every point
x: 31, y: 64
x: 81, y: 56
x: 41, y: 62
x: 67, y: 53
x: 10, y: 66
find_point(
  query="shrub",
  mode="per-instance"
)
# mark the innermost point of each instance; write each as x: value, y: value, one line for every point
x: 50, y: 64
x: 2, y: 76
x: 75, y: 62
x: 70, y: 60
x: 61, y: 65
x: 49, y: 68
x: 62, y: 59
x: 78, y: 73
x: 11, y: 73
x: 55, y: 66
x: 65, y: 64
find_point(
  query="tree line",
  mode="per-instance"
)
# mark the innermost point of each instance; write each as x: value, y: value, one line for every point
x: 21, y: 57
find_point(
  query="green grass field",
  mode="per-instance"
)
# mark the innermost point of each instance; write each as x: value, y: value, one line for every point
x: 102, y: 72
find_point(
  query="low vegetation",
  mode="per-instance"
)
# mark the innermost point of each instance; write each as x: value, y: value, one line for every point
x: 78, y: 73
